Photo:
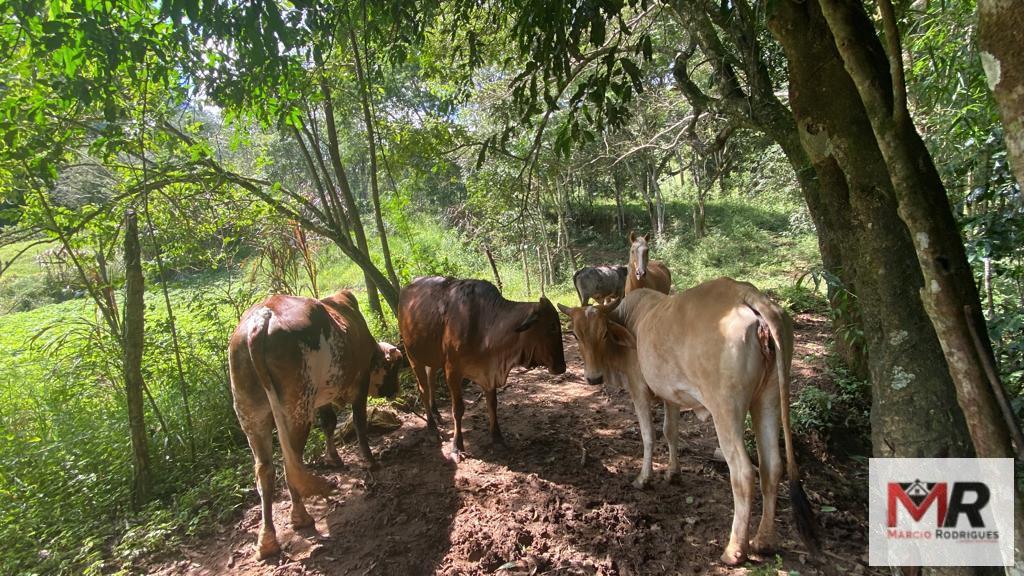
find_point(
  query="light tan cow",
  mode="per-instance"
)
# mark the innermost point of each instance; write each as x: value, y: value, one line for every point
x: 644, y: 272
x: 721, y: 348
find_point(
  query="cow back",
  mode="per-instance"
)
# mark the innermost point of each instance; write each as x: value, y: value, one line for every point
x: 444, y: 319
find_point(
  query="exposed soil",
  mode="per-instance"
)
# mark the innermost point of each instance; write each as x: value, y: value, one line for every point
x: 558, y: 500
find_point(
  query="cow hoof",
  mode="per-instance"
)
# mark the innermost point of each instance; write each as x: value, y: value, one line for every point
x: 301, y: 519
x: 456, y: 456
x: 640, y: 483
x: 763, y: 545
x: 336, y: 462
x: 733, y: 555
x: 267, y: 546
x: 673, y: 479
x: 374, y: 465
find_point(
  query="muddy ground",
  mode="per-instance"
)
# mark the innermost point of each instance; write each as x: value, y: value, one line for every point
x: 557, y: 501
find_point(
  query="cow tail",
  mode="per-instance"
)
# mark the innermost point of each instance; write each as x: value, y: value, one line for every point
x: 803, y: 514
x: 296, y: 473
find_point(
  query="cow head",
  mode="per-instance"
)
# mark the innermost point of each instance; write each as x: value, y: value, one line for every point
x: 387, y: 363
x: 541, y: 337
x: 638, y: 256
x: 601, y: 339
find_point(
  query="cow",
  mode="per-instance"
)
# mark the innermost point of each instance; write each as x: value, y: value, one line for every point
x: 643, y: 272
x: 289, y: 356
x: 467, y: 329
x: 600, y: 283
x: 721, y: 348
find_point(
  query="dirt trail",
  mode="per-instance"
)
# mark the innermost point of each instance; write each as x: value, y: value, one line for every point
x: 557, y: 501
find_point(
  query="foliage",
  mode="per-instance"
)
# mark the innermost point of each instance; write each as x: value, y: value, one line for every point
x: 837, y: 415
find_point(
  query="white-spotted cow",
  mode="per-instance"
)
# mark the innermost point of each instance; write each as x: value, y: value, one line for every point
x: 288, y: 357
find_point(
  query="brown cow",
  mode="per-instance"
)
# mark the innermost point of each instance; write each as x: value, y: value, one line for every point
x: 721, y: 348
x: 467, y: 329
x: 643, y: 272
x: 289, y: 356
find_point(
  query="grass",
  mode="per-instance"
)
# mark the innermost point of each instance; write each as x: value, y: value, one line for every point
x: 24, y: 283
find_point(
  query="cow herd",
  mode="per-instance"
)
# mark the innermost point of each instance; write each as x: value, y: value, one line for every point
x: 721, y: 348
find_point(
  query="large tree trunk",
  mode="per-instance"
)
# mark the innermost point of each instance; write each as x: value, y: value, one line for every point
x: 134, y: 320
x: 914, y: 410
x: 949, y: 284
x: 1000, y: 37
x: 843, y: 99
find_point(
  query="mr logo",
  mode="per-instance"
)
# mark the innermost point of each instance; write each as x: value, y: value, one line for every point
x: 917, y: 497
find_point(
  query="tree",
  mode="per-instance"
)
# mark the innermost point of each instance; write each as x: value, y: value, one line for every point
x: 1000, y: 36
x: 134, y: 331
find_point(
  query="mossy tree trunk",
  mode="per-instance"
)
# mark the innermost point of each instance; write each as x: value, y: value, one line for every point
x: 133, y: 333
x: 914, y: 411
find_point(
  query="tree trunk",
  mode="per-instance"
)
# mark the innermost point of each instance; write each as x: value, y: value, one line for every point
x: 526, y: 269
x: 134, y: 320
x: 494, y: 268
x: 923, y: 205
x: 1000, y: 37
x: 354, y: 221
x: 371, y: 140
x: 659, y: 205
x: 914, y: 412
x: 620, y: 220
x: 950, y: 294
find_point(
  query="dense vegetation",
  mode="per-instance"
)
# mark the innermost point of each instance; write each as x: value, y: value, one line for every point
x: 303, y: 147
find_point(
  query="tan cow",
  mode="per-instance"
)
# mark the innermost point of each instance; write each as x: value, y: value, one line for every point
x: 644, y: 272
x: 722, y: 348
x: 287, y: 357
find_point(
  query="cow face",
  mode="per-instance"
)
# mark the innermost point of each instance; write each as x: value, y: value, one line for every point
x: 386, y: 367
x: 541, y: 335
x: 601, y: 339
x: 638, y: 254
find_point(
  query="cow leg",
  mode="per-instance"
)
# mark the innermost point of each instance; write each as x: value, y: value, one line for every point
x: 765, y: 414
x: 642, y: 404
x: 729, y: 422
x: 671, y: 430
x: 491, y: 391
x: 359, y: 419
x: 328, y: 423
x: 261, y: 441
x: 420, y: 371
x: 300, y: 517
x: 432, y: 374
x: 454, y: 378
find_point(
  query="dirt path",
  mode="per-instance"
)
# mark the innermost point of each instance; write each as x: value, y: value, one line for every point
x: 558, y: 501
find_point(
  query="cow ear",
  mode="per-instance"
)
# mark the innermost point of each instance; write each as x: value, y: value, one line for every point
x: 647, y: 237
x: 632, y: 236
x: 621, y: 335
x: 565, y: 309
x: 525, y: 324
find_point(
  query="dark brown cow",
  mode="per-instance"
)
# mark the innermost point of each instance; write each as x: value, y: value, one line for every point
x: 467, y: 329
x: 644, y: 272
x: 289, y: 356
